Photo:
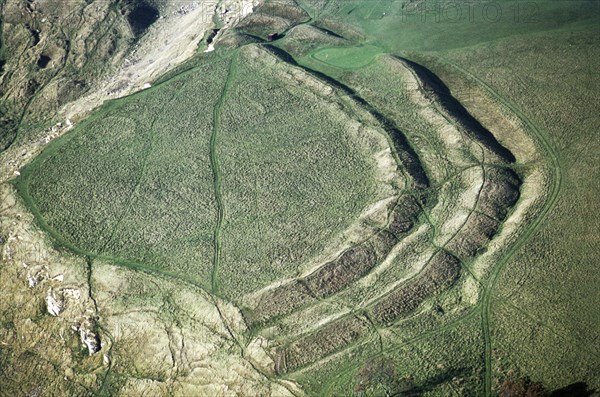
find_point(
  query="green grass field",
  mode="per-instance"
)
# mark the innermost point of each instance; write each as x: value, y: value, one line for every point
x: 143, y: 172
x: 292, y: 176
x: 551, y: 279
x: 537, y: 57
x: 348, y: 57
x: 121, y: 174
x: 500, y: 51
x: 391, y: 197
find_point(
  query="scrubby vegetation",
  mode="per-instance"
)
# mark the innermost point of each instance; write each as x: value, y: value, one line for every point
x: 137, y: 195
x: 151, y: 189
x: 48, y: 58
x: 346, y: 187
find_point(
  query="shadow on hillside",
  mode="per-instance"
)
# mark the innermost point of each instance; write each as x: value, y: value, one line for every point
x: 577, y: 389
x: 435, y: 85
x: 405, y: 152
x: 434, y: 382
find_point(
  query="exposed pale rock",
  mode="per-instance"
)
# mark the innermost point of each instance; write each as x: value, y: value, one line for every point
x: 32, y: 280
x: 54, y: 306
x: 90, y: 339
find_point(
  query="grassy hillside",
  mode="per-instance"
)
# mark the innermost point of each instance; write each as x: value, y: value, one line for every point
x: 251, y: 174
x: 548, y: 287
x: 537, y: 59
x: 382, y: 198
x: 128, y: 184
x: 293, y: 175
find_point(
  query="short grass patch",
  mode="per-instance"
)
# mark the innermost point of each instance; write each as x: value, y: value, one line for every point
x: 348, y: 57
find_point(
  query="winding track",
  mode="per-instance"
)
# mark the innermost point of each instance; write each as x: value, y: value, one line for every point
x: 457, y: 320
x: 216, y: 169
x: 485, y: 304
x: 132, y: 196
x: 554, y: 190
x: 471, y: 314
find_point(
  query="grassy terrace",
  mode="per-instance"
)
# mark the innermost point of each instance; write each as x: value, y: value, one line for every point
x: 252, y: 165
x: 347, y: 58
x: 533, y: 59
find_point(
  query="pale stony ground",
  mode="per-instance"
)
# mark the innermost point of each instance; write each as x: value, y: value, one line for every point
x: 170, y: 41
x: 162, y: 337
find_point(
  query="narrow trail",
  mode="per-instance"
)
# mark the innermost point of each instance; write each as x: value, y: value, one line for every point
x: 132, y: 198
x: 216, y: 169
x: 406, y: 342
x: 554, y: 189
x: 145, y: 154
